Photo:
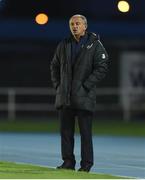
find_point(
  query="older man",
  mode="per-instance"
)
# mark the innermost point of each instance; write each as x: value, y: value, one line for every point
x: 79, y: 63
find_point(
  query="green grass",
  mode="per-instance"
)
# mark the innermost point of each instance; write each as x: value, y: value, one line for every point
x: 119, y: 128
x: 9, y: 170
x: 110, y: 127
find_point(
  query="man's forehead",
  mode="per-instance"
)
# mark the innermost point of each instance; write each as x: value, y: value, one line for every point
x: 76, y: 19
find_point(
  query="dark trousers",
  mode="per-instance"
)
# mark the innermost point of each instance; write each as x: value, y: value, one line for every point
x: 67, y: 119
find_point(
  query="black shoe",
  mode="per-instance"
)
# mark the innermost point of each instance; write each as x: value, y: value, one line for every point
x: 66, y: 165
x: 84, y: 169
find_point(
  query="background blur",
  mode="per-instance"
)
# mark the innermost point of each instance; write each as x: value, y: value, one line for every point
x: 27, y: 48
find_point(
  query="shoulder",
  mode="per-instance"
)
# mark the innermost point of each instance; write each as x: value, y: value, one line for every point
x: 64, y: 42
x: 60, y: 45
x: 96, y: 37
x: 93, y: 36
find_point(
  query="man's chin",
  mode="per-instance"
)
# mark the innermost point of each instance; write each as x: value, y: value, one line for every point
x: 75, y: 32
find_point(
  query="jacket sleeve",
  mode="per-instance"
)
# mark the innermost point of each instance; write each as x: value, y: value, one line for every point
x: 55, y: 68
x: 100, y: 67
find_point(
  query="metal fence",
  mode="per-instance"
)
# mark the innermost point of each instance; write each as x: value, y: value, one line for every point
x: 108, y: 99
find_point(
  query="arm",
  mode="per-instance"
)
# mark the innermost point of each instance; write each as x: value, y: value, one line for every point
x: 100, y: 66
x: 55, y: 68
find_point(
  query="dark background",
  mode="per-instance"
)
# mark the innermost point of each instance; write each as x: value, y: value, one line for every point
x: 26, y: 48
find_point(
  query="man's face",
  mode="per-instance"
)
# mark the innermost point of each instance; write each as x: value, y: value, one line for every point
x: 77, y: 26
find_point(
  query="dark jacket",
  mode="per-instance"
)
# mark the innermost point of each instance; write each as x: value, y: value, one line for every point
x: 76, y: 87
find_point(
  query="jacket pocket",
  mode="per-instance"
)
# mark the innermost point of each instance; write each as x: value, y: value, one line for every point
x: 92, y: 94
x: 82, y: 92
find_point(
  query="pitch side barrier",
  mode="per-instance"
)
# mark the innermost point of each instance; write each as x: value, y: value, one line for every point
x: 107, y: 99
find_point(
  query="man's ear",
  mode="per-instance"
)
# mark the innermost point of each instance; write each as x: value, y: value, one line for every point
x: 86, y: 26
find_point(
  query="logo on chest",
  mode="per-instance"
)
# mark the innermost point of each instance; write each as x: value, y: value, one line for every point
x: 89, y: 46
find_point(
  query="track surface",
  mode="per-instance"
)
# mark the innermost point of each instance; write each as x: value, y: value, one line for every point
x: 124, y: 156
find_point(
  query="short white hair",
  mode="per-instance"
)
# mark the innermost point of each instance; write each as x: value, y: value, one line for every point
x: 82, y: 17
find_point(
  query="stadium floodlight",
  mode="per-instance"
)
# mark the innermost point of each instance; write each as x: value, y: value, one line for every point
x: 41, y: 18
x: 123, y: 6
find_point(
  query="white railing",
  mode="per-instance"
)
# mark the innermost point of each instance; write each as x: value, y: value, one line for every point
x: 12, y: 106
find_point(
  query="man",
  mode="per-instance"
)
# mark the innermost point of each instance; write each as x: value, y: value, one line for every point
x: 79, y: 63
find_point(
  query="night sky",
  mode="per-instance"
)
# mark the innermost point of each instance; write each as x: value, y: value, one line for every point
x: 95, y: 9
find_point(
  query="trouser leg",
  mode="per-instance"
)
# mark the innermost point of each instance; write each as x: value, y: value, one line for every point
x: 85, y: 126
x: 67, y: 125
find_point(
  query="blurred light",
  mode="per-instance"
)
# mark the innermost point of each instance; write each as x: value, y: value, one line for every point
x: 41, y: 19
x: 123, y: 6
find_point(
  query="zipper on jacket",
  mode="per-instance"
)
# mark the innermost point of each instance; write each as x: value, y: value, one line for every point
x: 68, y: 87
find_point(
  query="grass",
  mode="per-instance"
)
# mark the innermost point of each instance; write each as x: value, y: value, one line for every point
x: 119, y: 128
x: 10, y: 170
x: 116, y: 127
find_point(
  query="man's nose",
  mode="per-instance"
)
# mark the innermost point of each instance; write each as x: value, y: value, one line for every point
x: 75, y: 25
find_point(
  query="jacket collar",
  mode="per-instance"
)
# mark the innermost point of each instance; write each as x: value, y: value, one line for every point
x: 91, y: 37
